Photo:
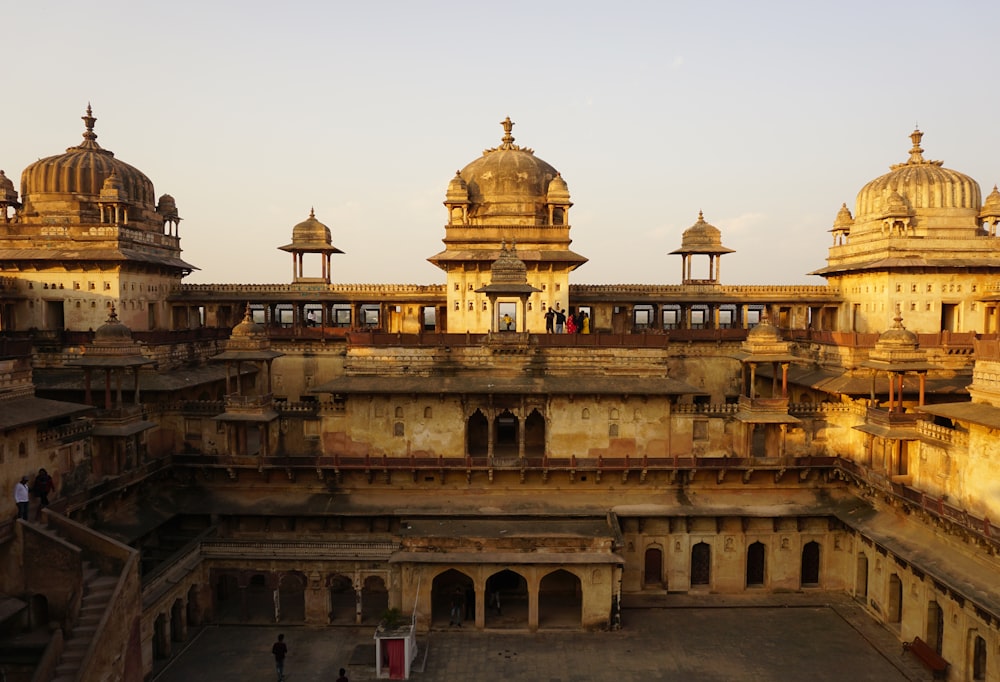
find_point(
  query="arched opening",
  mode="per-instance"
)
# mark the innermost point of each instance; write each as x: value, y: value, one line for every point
x: 477, y: 435
x: 178, y: 626
x: 978, y: 658
x: 534, y: 435
x: 292, y: 598
x: 560, y: 600
x: 755, y: 564
x: 701, y: 564
x: 228, y: 599
x: 810, y: 563
x: 935, y: 626
x: 161, y: 637
x: 374, y: 599
x: 506, y: 430
x: 652, y: 567
x: 39, y: 615
x: 449, y: 594
x: 260, y: 600
x: 193, y: 607
x: 506, y: 600
x: 343, y: 599
x: 895, y: 614
x: 861, y: 578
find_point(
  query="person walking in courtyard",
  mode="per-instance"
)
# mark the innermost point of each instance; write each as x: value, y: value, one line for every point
x: 280, y: 650
x: 42, y: 487
x: 457, y: 607
x: 21, y: 498
x: 343, y: 676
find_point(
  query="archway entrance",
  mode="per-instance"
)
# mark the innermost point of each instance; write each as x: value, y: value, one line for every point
x: 810, y: 563
x: 652, y: 573
x: 506, y: 431
x: 861, y: 581
x: 259, y: 600
x: 374, y: 599
x: 506, y: 601
x: 451, y: 589
x: 534, y: 435
x: 477, y: 435
x: 755, y: 564
x: 560, y: 600
x: 292, y: 598
x: 228, y: 600
x: 343, y: 600
x: 701, y: 564
x: 895, y: 599
x: 935, y: 626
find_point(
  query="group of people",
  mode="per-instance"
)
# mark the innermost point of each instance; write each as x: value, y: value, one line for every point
x: 280, y: 650
x: 558, y: 322
x: 41, y: 488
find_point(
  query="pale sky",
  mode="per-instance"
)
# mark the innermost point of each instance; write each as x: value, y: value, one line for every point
x: 764, y: 115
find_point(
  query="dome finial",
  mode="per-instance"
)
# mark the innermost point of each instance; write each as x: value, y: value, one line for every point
x: 89, y: 121
x: 312, y: 212
x: 508, y: 139
x: 916, y: 153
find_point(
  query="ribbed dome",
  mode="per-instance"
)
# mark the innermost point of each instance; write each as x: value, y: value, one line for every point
x: 311, y: 232
x: 508, y: 184
x: 991, y: 207
x: 897, y: 337
x: 458, y: 191
x: 247, y: 327
x: 82, y: 170
x: 702, y: 238
x: 917, y: 185
x: 844, y: 221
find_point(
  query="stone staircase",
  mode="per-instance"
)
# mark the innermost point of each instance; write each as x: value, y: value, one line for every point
x: 97, y: 589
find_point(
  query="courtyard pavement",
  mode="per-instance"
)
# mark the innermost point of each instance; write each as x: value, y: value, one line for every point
x: 817, y: 637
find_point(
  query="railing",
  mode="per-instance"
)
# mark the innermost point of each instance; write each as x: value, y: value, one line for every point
x: 73, y: 430
x: 369, y: 551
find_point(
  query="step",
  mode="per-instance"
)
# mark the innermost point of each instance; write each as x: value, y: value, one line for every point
x: 102, y: 583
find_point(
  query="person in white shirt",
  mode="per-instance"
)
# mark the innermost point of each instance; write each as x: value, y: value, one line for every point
x: 21, y: 498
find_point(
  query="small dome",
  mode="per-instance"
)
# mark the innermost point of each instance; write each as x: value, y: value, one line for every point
x: 167, y: 207
x: 112, y: 332
x: 991, y: 207
x: 844, y: 221
x: 508, y: 268
x: 82, y: 170
x: 702, y: 238
x: 558, y: 190
x: 508, y: 185
x: 458, y: 191
x: 247, y: 327
x: 7, y: 191
x: 897, y: 336
x: 311, y: 232
x: 919, y: 188
x: 764, y: 331
x: 113, y: 189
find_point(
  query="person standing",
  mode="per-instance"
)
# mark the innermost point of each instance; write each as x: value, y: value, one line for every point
x: 42, y: 487
x: 280, y: 650
x: 21, y: 498
x: 457, y: 607
x: 560, y: 321
x: 550, y: 317
x: 585, y: 327
x: 343, y: 676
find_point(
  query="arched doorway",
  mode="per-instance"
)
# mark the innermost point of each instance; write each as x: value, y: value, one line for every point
x: 228, y: 599
x: 935, y: 626
x: 756, y: 554
x: 978, y: 657
x: 861, y: 579
x: 652, y: 567
x: 343, y: 599
x: 178, y: 626
x: 161, y: 637
x: 534, y: 435
x: 374, y: 599
x: 292, y: 598
x: 810, y: 563
x: 193, y: 607
x: 895, y: 614
x: 560, y: 600
x: 701, y: 564
x: 506, y: 600
x: 450, y: 588
x: 506, y: 431
x: 477, y: 435
x: 260, y: 600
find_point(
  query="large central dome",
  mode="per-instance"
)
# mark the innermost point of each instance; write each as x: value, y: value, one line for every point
x: 79, y: 174
x: 919, y: 192
x: 509, y: 184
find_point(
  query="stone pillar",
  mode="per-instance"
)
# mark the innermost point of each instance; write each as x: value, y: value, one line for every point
x: 317, y: 599
x: 533, y: 606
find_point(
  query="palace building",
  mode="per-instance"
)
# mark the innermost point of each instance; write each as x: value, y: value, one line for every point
x: 327, y: 453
